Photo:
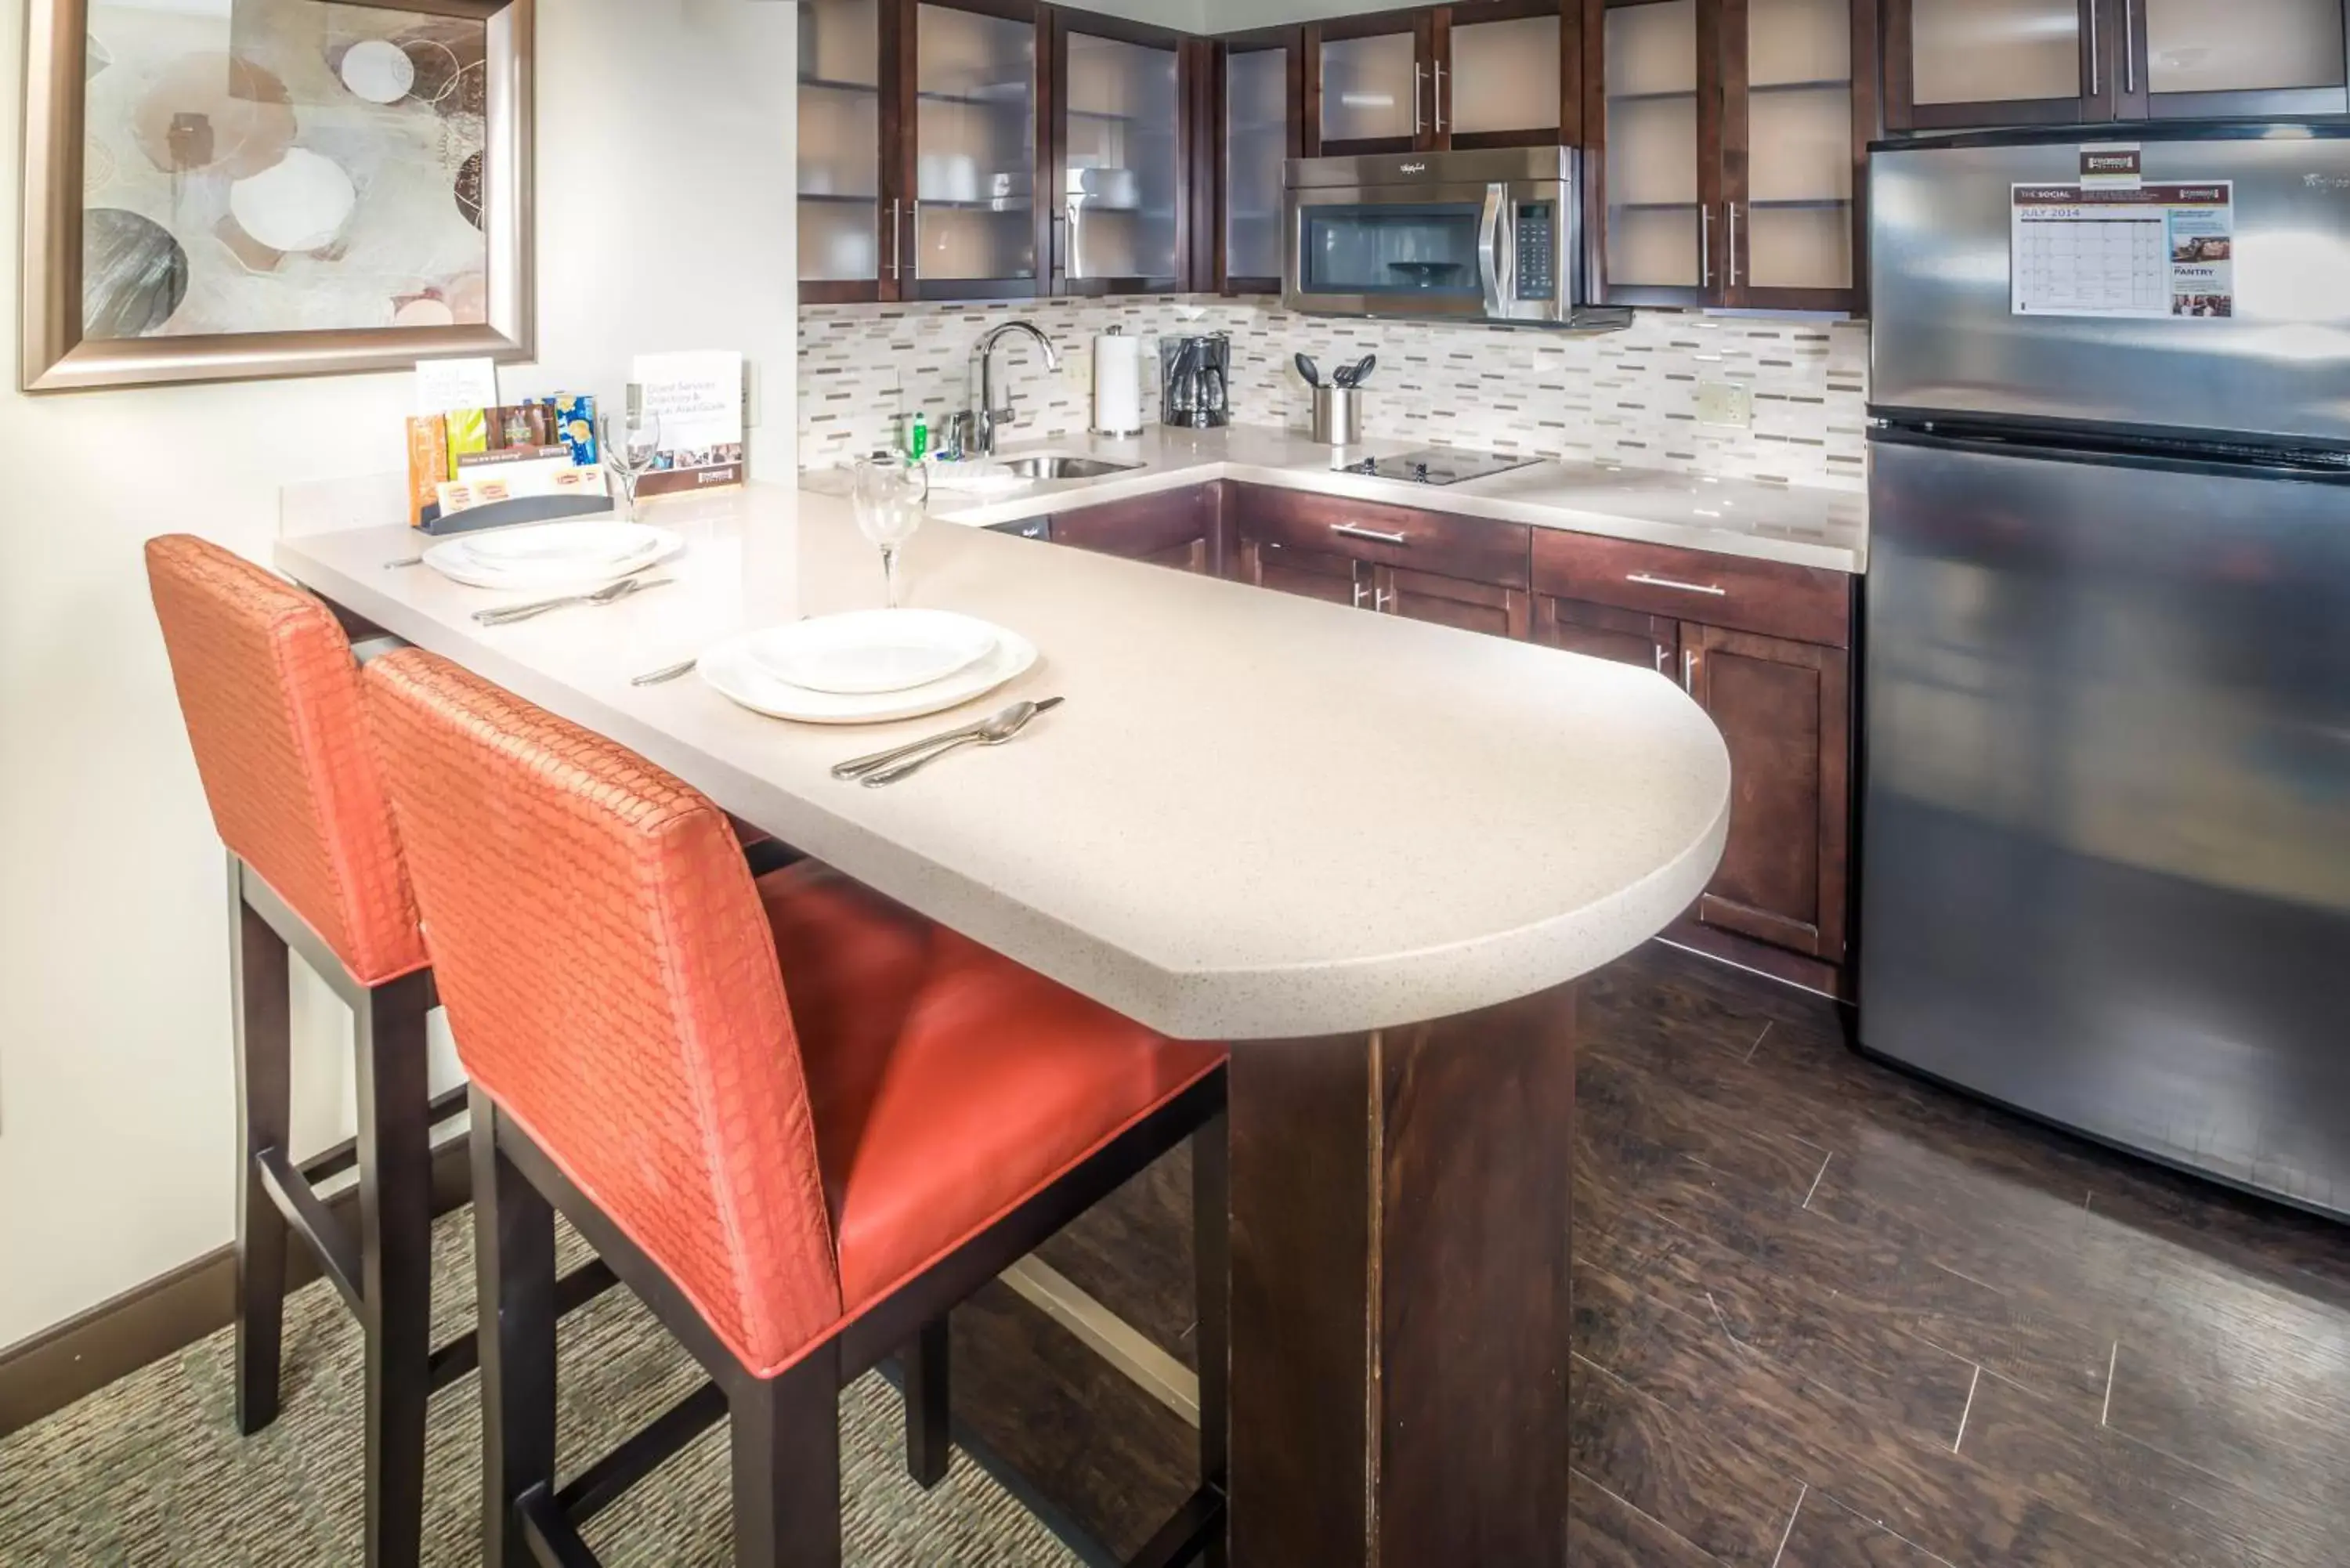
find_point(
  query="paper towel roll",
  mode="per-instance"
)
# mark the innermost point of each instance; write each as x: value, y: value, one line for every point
x: 1117, y: 384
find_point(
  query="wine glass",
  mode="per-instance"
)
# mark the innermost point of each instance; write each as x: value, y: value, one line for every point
x: 890, y: 496
x: 631, y: 447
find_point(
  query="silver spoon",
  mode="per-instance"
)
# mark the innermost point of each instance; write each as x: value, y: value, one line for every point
x: 611, y: 592
x: 666, y: 673
x: 993, y: 732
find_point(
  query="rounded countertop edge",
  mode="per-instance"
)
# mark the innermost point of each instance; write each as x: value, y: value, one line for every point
x: 1385, y: 992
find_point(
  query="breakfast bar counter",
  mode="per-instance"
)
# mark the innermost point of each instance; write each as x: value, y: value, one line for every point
x: 1374, y: 855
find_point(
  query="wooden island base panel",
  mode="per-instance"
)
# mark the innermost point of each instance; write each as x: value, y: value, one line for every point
x: 1401, y: 1288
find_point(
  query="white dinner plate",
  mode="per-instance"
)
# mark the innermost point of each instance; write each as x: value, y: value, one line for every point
x: 730, y: 670
x: 864, y: 653
x: 461, y: 560
x: 538, y: 543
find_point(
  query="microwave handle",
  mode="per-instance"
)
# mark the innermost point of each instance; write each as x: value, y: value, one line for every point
x: 1496, y: 267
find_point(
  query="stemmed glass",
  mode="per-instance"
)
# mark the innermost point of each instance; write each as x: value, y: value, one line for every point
x: 890, y: 496
x: 631, y: 447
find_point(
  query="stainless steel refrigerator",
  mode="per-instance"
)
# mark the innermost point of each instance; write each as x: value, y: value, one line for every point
x: 2105, y: 819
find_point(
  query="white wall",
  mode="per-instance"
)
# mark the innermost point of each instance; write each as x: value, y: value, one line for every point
x: 664, y: 180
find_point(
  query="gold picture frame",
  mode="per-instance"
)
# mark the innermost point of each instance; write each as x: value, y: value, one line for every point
x: 57, y: 355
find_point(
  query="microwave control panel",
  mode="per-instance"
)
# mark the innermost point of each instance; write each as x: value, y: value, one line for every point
x: 1538, y: 251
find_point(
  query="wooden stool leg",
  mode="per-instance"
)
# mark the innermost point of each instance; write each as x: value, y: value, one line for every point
x: 787, y: 1440
x: 514, y: 1263
x: 1211, y: 1284
x: 396, y: 1263
x: 928, y: 1410
x: 258, y: 986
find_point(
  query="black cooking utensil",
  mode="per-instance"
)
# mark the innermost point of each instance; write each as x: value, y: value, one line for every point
x: 1310, y: 371
x: 1360, y: 371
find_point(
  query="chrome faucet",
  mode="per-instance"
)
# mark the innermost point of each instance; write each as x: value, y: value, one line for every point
x: 985, y: 413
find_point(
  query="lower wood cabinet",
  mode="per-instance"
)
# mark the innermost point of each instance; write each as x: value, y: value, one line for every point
x: 1603, y: 631
x: 1182, y: 529
x: 1785, y: 710
x: 1763, y: 647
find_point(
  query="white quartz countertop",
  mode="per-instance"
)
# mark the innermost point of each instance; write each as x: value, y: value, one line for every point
x: 1257, y: 816
x: 1803, y: 527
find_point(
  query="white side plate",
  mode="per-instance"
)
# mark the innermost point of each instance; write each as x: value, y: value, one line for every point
x: 729, y: 670
x: 460, y: 561
x: 864, y: 652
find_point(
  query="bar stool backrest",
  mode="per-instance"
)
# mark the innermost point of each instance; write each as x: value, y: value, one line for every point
x: 612, y: 985
x: 271, y: 697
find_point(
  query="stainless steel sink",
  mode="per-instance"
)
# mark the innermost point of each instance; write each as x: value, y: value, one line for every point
x: 1058, y: 465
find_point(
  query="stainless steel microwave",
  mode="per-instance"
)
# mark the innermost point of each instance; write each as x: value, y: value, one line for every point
x: 1491, y: 236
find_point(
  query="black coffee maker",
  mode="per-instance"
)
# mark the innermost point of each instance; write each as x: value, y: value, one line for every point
x: 1195, y: 381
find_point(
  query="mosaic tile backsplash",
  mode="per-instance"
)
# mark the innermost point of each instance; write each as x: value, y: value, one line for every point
x: 1628, y: 396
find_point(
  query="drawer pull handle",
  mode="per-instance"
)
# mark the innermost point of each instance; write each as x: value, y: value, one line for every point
x: 1646, y: 581
x: 1356, y: 531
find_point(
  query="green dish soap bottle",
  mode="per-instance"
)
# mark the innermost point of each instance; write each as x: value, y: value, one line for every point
x: 918, y: 444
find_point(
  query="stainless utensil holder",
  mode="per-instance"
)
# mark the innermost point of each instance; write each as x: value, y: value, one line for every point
x: 1338, y: 415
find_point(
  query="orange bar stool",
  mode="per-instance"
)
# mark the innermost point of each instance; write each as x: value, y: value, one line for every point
x: 799, y: 1121
x: 270, y: 695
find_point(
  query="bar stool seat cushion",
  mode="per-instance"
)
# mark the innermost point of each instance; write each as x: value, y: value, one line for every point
x: 947, y: 1082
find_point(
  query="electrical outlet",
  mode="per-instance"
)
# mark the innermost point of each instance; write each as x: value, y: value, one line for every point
x: 1725, y: 403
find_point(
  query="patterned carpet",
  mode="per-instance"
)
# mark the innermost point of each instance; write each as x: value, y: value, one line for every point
x: 150, y: 1471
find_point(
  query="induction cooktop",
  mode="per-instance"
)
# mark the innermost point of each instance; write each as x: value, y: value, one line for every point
x: 1437, y: 465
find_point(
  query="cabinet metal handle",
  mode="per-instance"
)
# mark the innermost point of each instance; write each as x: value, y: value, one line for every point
x: 2092, y: 48
x: 1646, y: 581
x: 897, y: 239
x: 1705, y: 247
x: 1355, y: 531
x: 1436, y: 99
x: 1419, y: 86
x: 2129, y: 48
x: 1383, y: 601
x: 1359, y: 587
x: 1664, y: 657
x: 1734, y: 244
x: 1689, y: 671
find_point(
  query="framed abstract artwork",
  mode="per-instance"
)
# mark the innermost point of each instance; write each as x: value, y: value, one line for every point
x: 231, y: 189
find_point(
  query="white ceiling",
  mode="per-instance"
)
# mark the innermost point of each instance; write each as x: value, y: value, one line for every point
x: 1229, y: 16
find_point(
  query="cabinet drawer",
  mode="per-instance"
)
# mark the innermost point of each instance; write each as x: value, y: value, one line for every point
x: 1471, y: 548
x: 1772, y: 597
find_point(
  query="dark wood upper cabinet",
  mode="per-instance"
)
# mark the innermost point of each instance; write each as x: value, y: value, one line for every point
x: 1953, y: 64
x: 920, y: 160
x: 1255, y: 115
x: 1481, y: 73
x: 1122, y: 96
x: 1728, y: 142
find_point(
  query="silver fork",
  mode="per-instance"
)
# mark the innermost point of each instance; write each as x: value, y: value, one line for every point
x: 611, y: 592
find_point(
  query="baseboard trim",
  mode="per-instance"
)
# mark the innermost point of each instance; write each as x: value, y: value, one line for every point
x: 42, y: 1374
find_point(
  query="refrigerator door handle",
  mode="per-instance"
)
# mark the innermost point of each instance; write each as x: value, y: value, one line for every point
x: 2129, y: 50
x: 2092, y: 48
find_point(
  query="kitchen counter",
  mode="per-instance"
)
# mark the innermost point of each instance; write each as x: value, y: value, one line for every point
x: 1375, y: 854
x: 1801, y: 527
x: 1257, y: 816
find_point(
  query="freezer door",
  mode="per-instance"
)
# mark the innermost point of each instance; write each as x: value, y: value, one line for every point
x: 2106, y: 872
x: 1944, y: 339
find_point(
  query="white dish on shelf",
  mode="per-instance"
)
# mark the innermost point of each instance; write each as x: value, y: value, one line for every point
x: 730, y: 669
x: 867, y: 652
x: 552, y: 557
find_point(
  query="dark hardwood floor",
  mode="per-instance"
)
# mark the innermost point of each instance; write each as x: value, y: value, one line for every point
x: 1827, y: 1316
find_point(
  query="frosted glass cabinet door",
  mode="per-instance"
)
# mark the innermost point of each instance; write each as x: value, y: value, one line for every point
x: 1371, y: 88
x: 1794, y: 226
x: 1994, y: 51
x: 1256, y: 143
x: 1657, y: 230
x: 2245, y: 45
x: 974, y: 147
x: 1504, y: 77
x: 840, y: 141
x: 1120, y: 135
